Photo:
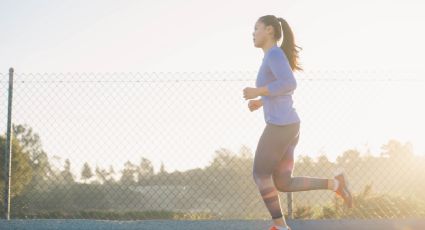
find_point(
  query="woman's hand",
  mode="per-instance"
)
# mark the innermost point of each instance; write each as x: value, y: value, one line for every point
x: 254, y: 104
x: 251, y: 93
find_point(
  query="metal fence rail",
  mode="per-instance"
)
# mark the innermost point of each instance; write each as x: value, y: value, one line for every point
x: 180, y: 145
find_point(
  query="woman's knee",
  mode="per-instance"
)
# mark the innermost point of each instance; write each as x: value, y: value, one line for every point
x: 283, y: 182
x: 283, y: 187
x: 262, y: 179
x: 256, y: 176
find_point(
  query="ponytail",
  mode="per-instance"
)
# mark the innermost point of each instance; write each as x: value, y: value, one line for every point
x: 288, y: 45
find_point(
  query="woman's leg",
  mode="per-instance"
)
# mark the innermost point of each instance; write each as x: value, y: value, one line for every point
x: 271, y: 148
x: 284, y: 182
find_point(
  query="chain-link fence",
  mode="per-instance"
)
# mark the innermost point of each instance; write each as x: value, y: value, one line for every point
x: 180, y: 145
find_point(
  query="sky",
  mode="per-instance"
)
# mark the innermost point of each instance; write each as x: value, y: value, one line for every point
x: 185, y: 35
x: 149, y: 37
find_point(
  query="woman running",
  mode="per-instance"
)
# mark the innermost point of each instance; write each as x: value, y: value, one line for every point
x: 274, y: 156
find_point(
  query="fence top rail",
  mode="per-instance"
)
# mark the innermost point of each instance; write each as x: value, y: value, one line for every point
x: 217, y: 76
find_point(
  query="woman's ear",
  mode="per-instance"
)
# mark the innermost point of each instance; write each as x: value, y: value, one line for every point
x: 269, y: 30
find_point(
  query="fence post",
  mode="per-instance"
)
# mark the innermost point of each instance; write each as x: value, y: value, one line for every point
x: 290, y: 212
x: 8, y: 150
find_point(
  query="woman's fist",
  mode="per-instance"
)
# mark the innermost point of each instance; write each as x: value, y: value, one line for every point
x: 254, y: 105
x: 250, y: 93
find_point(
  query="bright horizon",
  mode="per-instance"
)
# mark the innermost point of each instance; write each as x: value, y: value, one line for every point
x: 109, y: 123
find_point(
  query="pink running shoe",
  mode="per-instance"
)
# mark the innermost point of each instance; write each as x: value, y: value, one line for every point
x: 343, y: 191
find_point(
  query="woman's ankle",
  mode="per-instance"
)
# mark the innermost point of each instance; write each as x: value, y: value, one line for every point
x: 280, y: 222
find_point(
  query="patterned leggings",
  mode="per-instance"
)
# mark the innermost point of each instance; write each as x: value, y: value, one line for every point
x: 274, y: 163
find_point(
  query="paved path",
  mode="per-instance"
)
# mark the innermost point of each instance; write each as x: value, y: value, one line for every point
x: 418, y: 224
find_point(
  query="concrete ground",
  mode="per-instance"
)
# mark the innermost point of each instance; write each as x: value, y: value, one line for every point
x: 43, y: 224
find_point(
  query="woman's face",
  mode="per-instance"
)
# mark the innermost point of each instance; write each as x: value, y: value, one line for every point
x: 260, y: 34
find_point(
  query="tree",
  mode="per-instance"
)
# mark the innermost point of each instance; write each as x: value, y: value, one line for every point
x: 306, y: 161
x: 245, y: 152
x: 323, y: 160
x: 394, y: 149
x: 128, y: 177
x: 31, y: 144
x: 111, y: 174
x: 349, y: 156
x: 162, y: 168
x: 144, y: 171
x: 86, y: 172
x: 66, y: 174
x: 21, y: 168
x: 30, y: 141
x: 222, y: 159
x: 101, y: 174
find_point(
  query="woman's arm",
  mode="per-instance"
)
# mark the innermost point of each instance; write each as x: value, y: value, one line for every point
x: 285, y: 82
